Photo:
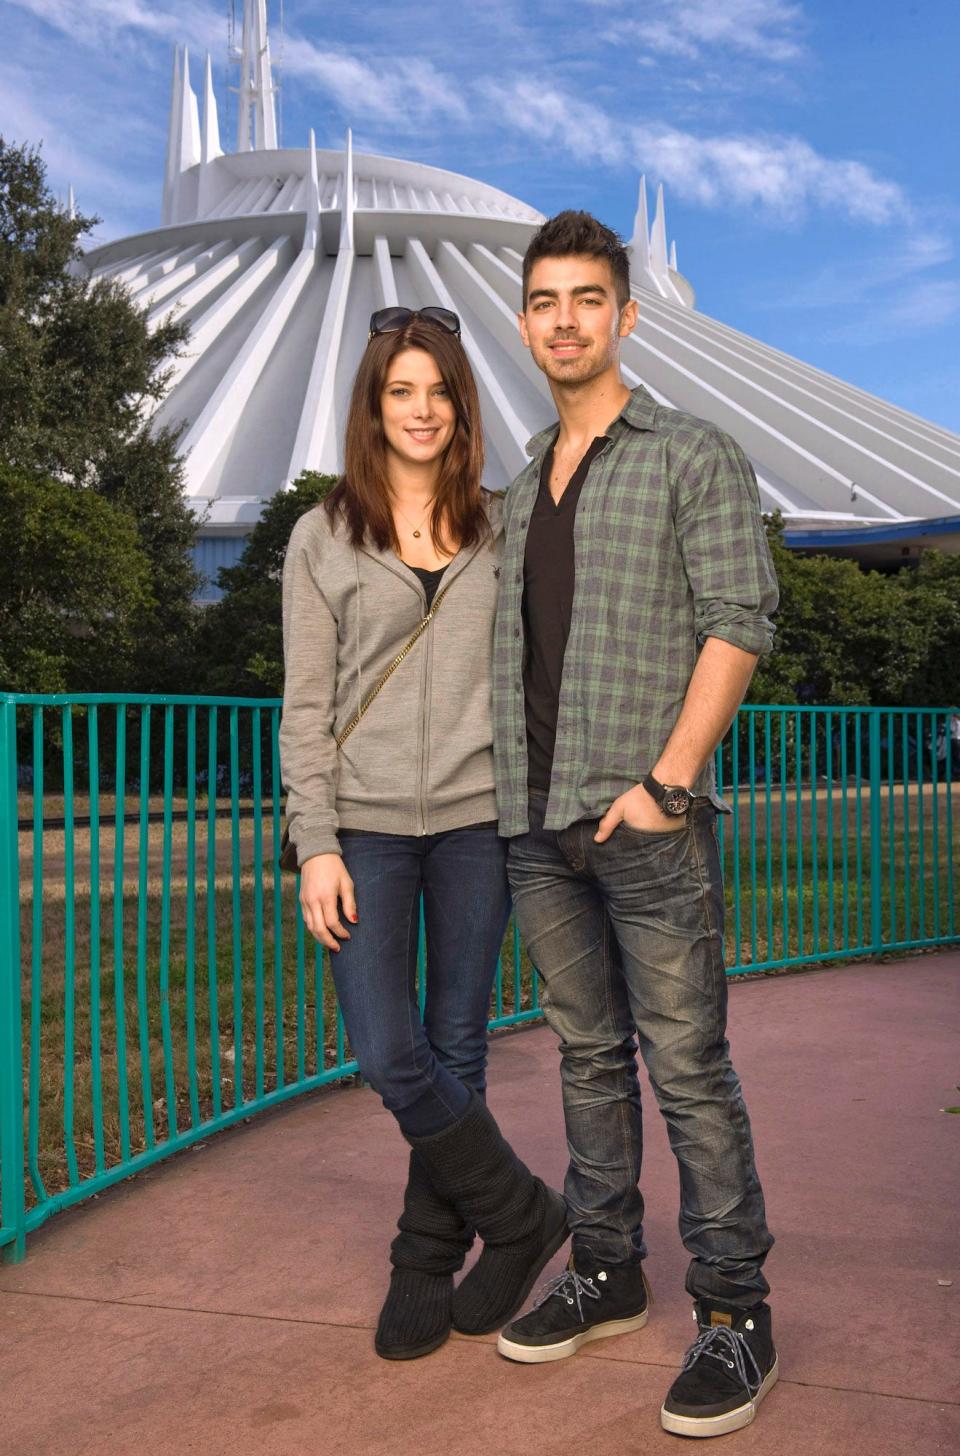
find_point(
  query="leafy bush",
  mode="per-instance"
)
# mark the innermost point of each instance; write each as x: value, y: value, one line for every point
x: 240, y: 639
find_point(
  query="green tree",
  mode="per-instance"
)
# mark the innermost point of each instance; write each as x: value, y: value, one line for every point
x: 846, y: 635
x: 143, y: 477
x: 79, y: 368
x: 931, y: 599
x: 74, y: 588
x: 240, y: 638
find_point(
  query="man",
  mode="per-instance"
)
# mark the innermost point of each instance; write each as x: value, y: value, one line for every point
x: 634, y: 598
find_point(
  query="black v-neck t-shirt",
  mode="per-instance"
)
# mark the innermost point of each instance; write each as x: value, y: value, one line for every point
x: 548, y: 582
x: 430, y: 580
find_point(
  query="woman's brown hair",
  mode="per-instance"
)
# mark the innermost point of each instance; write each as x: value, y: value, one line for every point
x: 362, y: 494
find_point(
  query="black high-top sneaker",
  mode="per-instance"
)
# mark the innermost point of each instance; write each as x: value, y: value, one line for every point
x: 726, y: 1372
x: 588, y: 1301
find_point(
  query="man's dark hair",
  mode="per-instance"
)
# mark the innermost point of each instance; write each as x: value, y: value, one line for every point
x: 572, y: 234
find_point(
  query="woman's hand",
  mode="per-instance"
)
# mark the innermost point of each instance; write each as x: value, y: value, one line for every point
x: 324, y: 881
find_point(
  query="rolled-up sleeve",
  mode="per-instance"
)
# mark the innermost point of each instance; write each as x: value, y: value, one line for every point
x: 724, y: 546
x: 308, y: 749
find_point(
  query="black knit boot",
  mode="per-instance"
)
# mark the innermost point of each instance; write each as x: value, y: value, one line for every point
x: 522, y: 1222
x: 430, y: 1247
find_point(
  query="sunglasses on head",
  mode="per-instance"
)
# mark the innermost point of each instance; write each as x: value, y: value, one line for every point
x: 391, y: 320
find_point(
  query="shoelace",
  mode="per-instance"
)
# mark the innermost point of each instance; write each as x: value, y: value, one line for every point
x: 571, y: 1287
x: 730, y: 1342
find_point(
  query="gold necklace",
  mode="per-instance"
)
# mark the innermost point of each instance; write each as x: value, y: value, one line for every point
x: 415, y: 529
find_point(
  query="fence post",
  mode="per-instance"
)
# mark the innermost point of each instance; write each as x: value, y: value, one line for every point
x: 876, y: 876
x: 12, y: 1206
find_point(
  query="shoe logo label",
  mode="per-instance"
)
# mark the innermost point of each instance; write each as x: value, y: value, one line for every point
x: 718, y: 1317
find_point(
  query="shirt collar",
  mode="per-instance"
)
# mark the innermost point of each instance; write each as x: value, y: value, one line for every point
x: 639, y: 413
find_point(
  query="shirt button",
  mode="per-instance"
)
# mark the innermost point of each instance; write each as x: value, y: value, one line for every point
x: 516, y: 631
x: 518, y: 578
x: 519, y: 687
x: 520, y: 738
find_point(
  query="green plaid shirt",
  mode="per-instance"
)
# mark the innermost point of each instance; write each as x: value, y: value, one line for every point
x: 670, y: 549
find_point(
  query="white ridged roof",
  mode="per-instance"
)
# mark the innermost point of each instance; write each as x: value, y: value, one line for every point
x: 254, y: 184
x: 277, y: 258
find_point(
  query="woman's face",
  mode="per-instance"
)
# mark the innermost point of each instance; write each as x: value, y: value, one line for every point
x: 418, y: 414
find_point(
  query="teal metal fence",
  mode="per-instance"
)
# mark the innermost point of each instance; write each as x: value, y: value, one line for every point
x: 156, y: 982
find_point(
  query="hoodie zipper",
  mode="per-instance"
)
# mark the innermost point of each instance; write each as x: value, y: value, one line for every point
x: 427, y: 673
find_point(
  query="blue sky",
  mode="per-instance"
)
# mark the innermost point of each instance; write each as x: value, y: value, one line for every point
x: 809, y: 148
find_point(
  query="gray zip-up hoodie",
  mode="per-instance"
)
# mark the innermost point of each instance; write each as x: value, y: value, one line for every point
x: 421, y: 759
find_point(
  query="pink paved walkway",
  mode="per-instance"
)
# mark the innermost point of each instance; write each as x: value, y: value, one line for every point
x: 225, y: 1303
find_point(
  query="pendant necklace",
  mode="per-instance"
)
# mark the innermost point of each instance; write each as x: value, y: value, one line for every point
x: 416, y: 529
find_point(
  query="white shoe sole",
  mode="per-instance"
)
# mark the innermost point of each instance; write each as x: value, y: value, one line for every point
x: 733, y: 1420
x: 541, y: 1354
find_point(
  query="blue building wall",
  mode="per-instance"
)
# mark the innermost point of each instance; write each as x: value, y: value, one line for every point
x: 884, y: 546
x: 210, y: 553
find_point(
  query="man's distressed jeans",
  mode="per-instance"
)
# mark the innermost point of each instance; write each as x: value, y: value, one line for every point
x: 627, y: 938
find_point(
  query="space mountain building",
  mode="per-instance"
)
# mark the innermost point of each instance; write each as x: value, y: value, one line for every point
x: 276, y: 257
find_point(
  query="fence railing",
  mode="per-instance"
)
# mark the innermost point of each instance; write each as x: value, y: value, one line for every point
x: 156, y: 981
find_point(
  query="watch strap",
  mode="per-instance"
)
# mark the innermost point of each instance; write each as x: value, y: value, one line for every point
x: 653, y: 787
x: 658, y: 791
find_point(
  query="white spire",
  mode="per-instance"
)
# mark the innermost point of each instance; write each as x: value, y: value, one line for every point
x: 658, y: 238
x: 171, y: 168
x: 190, y: 150
x: 257, y: 112
x: 210, y: 147
x: 640, y: 242
x: 346, y: 201
x: 183, y: 136
x: 311, y: 232
x: 71, y: 203
x: 210, y: 135
x: 266, y: 110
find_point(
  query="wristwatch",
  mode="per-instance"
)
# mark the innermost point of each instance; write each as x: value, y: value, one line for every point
x: 671, y: 799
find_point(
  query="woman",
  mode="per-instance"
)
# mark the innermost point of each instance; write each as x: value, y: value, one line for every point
x: 406, y: 805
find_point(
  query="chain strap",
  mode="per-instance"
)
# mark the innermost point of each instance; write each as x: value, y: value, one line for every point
x: 288, y: 855
x: 342, y: 737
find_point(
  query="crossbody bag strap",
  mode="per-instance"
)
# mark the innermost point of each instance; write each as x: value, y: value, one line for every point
x: 287, y: 858
x: 342, y: 737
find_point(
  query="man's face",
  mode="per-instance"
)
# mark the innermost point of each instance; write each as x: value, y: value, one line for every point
x: 572, y: 324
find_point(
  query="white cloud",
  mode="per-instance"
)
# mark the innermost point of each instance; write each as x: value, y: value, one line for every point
x: 878, y: 299
x: 767, y: 30
x: 927, y: 305
x: 551, y: 116
x: 842, y: 282
x: 63, y: 125
x: 92, y: 22
x: 780, y: 176
x: 783, y: 176
x: 920, y: 308
x: 401, y: 90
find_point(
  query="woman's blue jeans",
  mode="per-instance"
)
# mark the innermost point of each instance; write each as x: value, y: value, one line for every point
x: 422, y: 1066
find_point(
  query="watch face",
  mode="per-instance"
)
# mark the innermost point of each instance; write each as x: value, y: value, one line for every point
x: 676, y: 801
